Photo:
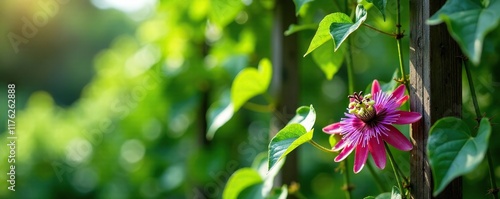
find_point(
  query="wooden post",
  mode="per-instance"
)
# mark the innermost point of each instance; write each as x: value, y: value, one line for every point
x: 285, y: 82
x: 435, y: 91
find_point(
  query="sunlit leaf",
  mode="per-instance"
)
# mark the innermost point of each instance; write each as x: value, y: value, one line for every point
x: 468, y: 22
x: 453, y: 151
x: 323, y: 33
x: 395, y: 194
x: 250, y: 82
x: 299, y: 4
x: 280, y: 193
x: 253, y: 188
x: 293, y: 28
x: 224, y: 11
x: 247, y: 84
x: 286, y: 140
x: 306, y: 116
x: 240, y: 180
x: 340, y: 31
x: 218, y: 114
x: 328, y: 60
x: 380, y: 5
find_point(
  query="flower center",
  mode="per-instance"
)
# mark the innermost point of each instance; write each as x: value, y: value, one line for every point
x: 362, y: 106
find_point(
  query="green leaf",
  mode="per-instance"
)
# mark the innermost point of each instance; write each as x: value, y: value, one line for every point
x: 280, y: 193
x: 323, y: 33
x: 396, y: 193
x: 306, y: 116
x: 385, y: 195
x: 328, y: 60
x: 468, y: 22
x: 239, y: 181
x: 286, y: 140
x: 293, y: 28
x: 340, y: 31
x: 250, y: 83
x: 334, y: 139
x: 453, y: 151
x: 299, y: 4
x: 380, y: 5
x: 224, y: 11
x: 218, y: 114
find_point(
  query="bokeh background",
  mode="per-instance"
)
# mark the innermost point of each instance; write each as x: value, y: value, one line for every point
x: 111, y: 97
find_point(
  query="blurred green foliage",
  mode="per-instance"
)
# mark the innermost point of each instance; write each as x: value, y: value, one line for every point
x: 112, y: 106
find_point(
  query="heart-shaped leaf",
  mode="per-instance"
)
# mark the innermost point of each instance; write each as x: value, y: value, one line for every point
x: 328, y: 60
x: 453, y: 151
x: 340, y: 31
x: 250, y: 82
x: 468, y: 22
x: 380, y: 5
x: 299, y: 4
x: 218, y: 114
x: 306, y: 116
x: 286, y: 140
x: 323, y: 33
x: 244, y: 183
x: 239, y: 181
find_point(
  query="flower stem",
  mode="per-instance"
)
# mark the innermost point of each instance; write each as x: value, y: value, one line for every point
x: 378, y: 30
x: 399, y: 36
x: 394, y: 166
x: 322, y: 148
x: 494, y: 189
x: 376, y: 177
x: 344, y: 164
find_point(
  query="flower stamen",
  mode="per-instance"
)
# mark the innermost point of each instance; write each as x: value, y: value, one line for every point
x: 362, y: 106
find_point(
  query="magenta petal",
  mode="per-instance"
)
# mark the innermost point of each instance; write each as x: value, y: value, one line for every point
x: 344, y: 153
x: 399, y: 92
x: 360, y: 158
x: 395, y: 138
x: 332, y: 128
x: 340, y: 145
x: 375, y: 87
x: 403, y: 99
x: 406, y: 117
x: 377, y: 150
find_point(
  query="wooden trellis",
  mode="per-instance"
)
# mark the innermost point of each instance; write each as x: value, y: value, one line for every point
x: 436, y: 90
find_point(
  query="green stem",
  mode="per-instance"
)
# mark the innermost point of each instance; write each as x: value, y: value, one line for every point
x: 376, y: 177
x: 344, y: 165
x: 399, y: 36
x: 322, y: 148
x: 394, y: 166
x: 378, y: 30
x: 472, y: 91
x: 401, y: 65
x: 493, y: 183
